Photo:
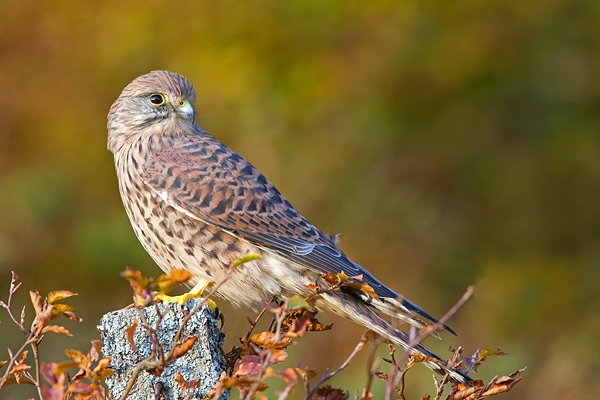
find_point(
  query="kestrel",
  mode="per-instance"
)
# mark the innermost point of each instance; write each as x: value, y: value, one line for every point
x: 195, y: 204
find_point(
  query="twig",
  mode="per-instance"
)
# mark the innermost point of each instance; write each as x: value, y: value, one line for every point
x: 373, y: 366
x: 266, y: 355
x: 36, y: 356
x: 416, y: 339
x: 326, y: 376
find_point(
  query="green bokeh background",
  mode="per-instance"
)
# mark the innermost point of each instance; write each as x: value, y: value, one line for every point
x: 450, y: 143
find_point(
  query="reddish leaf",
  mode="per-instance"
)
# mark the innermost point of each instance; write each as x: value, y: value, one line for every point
x: 53, y: 392
x: 94, y: 354
x: 247, y: 366
x: 79, y: 387
x: 48, y: 370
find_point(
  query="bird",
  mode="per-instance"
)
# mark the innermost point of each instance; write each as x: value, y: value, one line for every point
x: 196, y: 204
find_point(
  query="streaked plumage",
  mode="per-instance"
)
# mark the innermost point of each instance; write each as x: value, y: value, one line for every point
x: 195, y: 204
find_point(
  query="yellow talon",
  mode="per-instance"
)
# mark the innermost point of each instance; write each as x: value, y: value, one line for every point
x: 196, y: 292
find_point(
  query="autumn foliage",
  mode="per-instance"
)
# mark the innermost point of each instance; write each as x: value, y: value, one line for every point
x: 258, y: 358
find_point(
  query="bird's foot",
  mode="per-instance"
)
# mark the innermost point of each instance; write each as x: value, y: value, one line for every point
x: 196, y: 292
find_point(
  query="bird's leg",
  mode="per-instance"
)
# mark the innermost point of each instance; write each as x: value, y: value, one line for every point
x: 196, y: 292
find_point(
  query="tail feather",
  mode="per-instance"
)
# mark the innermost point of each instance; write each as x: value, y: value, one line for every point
x: 353, y: 308
x: 400, y: 308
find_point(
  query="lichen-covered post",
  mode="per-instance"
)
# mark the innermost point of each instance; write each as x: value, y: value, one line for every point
x: 203, y: 363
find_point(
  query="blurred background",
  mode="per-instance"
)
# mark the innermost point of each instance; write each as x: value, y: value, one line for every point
x: 451, y: 143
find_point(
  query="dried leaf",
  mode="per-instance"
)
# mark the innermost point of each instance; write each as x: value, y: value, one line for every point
x: 268, y: 340
x: 382, y: 375
x: 181, y: 382
x: 94, y: 350
x: 175, y: 277
x: 363, y: 287
x: 330, y: 278
x: 503, y: 384
x: 313, y: 286
x: 54, y: 392
x: 58, y: 295
x: 134, y: 276
x: 299, y: 321
x: 130, y: 333
x: 61, y: 309
x: 247, y: 366
x: 326, y: 392
x: 102, y: 365
x: 287, y: 375
x: 3, y: 363
x: 37, y: 301
x: 278, y: 356
x: 181, y: 349
x: 49, y: 371
x: 56, y: 329
x: 81, y: 359
x: 342, y: 277
x: 101, y: 375
x: 72, y: 316
x: 155, y: 371
x: 19, y: 369
x: 79, y: 387
x: 465, y: 392
x: 305, y: 373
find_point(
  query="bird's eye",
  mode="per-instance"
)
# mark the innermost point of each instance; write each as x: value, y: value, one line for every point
x: 157, y: 99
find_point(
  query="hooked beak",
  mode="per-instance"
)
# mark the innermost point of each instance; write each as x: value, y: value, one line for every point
x: 185, y: 110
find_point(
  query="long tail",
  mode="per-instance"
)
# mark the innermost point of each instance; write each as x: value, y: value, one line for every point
x: 351, y: 307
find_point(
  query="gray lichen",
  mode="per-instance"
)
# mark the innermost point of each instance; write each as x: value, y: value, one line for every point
x: 203, y: 362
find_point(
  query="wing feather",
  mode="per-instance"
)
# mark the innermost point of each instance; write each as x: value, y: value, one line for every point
x: 206, y: 180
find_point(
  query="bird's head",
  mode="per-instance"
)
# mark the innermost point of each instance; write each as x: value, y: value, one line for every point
x: 160, y: 102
